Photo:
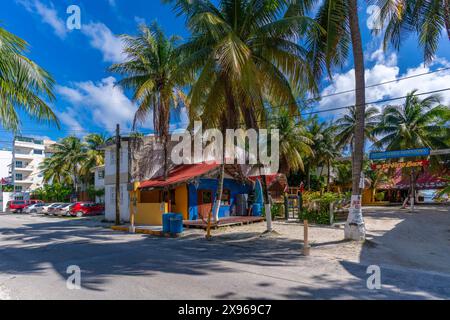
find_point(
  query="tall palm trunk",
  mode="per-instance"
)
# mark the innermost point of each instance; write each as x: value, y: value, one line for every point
x: 165, y: 114
x: 215, y: 210
x: 355, y: 229
x: 267, y: 204
x: 320, y: 179
x: 329, y: 177
x: 308, y: 177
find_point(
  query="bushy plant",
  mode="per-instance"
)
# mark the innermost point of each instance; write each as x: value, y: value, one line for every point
x: 380, y: 196
x: 317, y: 207
x: 277, y: 210
x: 53, y: 193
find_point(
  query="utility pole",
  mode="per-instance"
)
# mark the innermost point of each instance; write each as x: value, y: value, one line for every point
x: 117, y: 198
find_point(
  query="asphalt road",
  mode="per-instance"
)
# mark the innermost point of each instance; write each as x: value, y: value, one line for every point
x: 36, y: 251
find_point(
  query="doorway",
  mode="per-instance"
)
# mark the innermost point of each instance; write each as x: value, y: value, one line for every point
x: 205, y: 202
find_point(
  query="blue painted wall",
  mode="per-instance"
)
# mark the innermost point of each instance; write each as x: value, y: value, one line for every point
x: 234, y: 186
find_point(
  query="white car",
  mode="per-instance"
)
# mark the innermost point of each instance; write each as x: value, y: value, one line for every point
x: 63, y: 210
x: 35, y: 208
x: 51, y: 207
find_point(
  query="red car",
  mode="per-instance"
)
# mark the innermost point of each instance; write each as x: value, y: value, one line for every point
x: 81, y: 209
x: 19, y: 205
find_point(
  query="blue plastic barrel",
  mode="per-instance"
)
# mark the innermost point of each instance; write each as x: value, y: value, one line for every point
x: 257, y: 209
x: 176, y: 224
x: 166, y: 222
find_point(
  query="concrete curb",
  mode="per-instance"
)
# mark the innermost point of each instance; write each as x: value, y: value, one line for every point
x: 146, y: 231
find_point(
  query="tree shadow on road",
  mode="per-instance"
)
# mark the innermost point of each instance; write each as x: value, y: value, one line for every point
x: 329, y: 287
x: 101, y: 253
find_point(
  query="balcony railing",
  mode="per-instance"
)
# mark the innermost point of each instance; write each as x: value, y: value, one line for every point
x: 29, y: 140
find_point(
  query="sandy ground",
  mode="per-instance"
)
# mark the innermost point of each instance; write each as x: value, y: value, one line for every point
x: 419, y: 240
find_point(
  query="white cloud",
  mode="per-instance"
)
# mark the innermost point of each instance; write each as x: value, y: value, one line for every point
x: 71, y: 94
x: 102, y: 38
x: 48, y: 14
x: 69, y: 119
x: 386, y: 69
x: 99, y: 35
x: 102, y: 104
x: 139, y: 20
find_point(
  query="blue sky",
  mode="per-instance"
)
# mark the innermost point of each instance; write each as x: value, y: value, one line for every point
x: 88, y: 101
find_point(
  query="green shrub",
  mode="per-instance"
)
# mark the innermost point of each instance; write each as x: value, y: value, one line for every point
x: 317, y: 208
x: 277, y: 210
x: 317, y: 217
x: 380, y: 196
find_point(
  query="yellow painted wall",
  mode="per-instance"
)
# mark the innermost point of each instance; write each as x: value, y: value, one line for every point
x: 150, y: 213
x: 181, y: 201
x: 367, y: 196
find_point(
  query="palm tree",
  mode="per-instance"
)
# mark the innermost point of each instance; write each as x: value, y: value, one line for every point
x: 417, y: 123
x: 94, y: 156
x: 23, y: 84
x: 343, y: 175
x: 346, y: 125
x: 53, y: 171
x: 295, y: 141
x: 340, y: 20
x: 246, y: 55
x: 426, y: 18
x: 324, y: 148
x: 375, y: 177
x: 152, y: 71
x: 69, y: 154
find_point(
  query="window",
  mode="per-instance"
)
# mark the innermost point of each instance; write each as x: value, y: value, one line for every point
x: 19, y: 164
x: 18, y: 188
x: 22, y: 151
x: 101, y: 174
x: 206, y: 197
x: 19, y: 177
x: 41, y: 152
x: 226, y: 197
x: 112, y: 157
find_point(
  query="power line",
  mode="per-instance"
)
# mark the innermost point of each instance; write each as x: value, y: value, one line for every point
x: 301, y: 115
x: 381, y: 83
x: 110, y: 129
x: 105, y: 131
x: 367, y: 103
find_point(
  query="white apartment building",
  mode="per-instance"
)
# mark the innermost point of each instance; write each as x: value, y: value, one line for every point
x: 5, y: 163
x: 99, y: 182
x: 110, y: 182
x: 28, y: 154
x: 5, y: 175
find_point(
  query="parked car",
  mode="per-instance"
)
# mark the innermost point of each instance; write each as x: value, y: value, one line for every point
x: 50, y: 210
x: 18, y: 206
x: 34, y: 208
x: 63, y: 210
x: 81, y: 209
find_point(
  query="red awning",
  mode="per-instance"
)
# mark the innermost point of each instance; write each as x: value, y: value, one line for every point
x: 180, y: 174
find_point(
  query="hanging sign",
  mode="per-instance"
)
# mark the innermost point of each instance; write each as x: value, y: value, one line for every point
x: 424, y: 152
x: 400, y: 165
